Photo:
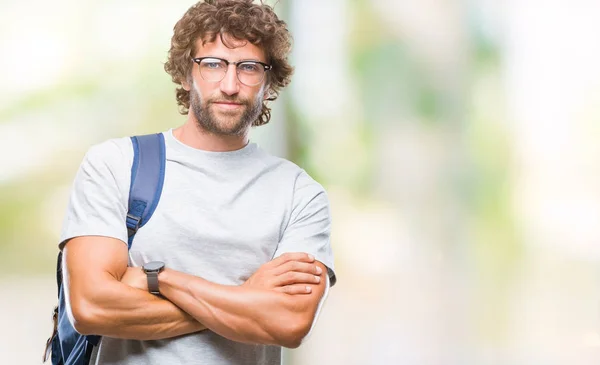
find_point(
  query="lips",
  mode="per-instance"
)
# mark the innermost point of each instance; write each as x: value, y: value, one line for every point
x: 227, y: 104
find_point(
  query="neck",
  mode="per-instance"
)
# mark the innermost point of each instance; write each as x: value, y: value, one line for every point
x: 196, y: 137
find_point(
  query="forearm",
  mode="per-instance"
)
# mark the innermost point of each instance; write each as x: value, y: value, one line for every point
x: 238, y: 313
x: 121, y: 311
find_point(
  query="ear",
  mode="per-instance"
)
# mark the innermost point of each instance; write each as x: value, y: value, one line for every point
x: 186, y: 85
x: 266, y: 91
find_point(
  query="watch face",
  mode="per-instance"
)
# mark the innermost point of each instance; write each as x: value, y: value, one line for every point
x: 154, y: 266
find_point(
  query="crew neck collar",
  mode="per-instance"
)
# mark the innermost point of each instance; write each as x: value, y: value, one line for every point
x: 176, y: 144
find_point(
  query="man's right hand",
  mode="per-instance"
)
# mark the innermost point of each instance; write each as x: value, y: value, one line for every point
x: 290, y: 273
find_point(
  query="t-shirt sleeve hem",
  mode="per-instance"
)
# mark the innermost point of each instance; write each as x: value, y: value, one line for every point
x: 64, y: 239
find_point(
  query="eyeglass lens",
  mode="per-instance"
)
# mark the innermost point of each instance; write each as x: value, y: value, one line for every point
x: 248, y: 72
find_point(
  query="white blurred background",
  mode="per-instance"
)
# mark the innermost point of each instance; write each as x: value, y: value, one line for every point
x: 459, y: 142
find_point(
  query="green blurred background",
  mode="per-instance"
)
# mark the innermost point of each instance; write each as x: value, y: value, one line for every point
x: 459, y: 142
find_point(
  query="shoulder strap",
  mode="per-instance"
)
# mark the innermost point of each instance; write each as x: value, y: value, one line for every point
x: 147, y: 177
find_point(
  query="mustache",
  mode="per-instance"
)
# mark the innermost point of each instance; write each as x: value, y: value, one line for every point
x: 228, y: 100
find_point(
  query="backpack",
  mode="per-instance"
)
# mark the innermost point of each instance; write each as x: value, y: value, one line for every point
x: 66, y: 345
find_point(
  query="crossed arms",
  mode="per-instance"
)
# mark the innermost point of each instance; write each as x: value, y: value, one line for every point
x: 107, y: 298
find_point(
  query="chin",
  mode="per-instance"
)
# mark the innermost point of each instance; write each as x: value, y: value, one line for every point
x: 230, y: 129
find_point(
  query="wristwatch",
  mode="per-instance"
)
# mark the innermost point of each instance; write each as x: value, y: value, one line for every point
x: 152, y: 269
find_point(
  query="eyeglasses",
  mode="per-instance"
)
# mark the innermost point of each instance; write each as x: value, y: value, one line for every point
x: 249, y: 73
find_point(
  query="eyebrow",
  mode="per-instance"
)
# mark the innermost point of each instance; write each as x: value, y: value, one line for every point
x: 242, y: 60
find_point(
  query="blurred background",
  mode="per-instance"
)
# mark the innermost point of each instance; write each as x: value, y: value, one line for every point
x: 459, y: 142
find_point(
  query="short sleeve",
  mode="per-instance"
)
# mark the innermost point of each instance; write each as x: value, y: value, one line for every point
x: 98, y: 200
x: 309, y: 226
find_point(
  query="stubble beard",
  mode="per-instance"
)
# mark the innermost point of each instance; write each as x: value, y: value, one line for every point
x: 216, y: 124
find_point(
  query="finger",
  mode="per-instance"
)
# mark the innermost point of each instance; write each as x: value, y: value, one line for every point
x: 309, y: 268
x: 294, y: 277
x: 295, y: 289
x: 292, y: 256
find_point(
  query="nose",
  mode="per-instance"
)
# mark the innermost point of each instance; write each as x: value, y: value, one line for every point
x: 230, y: 83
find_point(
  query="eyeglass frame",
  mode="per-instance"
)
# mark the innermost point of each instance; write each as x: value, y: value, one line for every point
x: 266, y: 67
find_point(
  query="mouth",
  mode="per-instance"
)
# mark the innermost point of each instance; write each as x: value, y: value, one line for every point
x: 229, y: 105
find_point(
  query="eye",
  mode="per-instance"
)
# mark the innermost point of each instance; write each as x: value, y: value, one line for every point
x: 249, y: 67
x: 211, y: 63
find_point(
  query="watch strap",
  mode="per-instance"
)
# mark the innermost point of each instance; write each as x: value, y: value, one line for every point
x: 153, y: 282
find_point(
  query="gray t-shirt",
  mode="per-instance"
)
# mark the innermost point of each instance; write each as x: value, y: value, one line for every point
x: 221, y: 216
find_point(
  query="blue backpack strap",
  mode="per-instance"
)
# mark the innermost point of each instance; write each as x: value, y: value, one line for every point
x: 147, y: 178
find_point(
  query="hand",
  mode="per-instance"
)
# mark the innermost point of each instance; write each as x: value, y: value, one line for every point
x: 135, y: 277
x: 289, y: 273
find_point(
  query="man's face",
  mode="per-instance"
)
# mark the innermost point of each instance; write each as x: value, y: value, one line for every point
x: 226, y: 107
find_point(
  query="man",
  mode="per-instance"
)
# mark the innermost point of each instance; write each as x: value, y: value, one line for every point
x: 243, y: 236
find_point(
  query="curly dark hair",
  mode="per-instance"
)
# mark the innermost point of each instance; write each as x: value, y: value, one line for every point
x: 241, y: 20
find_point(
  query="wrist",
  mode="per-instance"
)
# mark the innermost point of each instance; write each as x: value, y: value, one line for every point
x: 165, y: 279
x: 162, y: 277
